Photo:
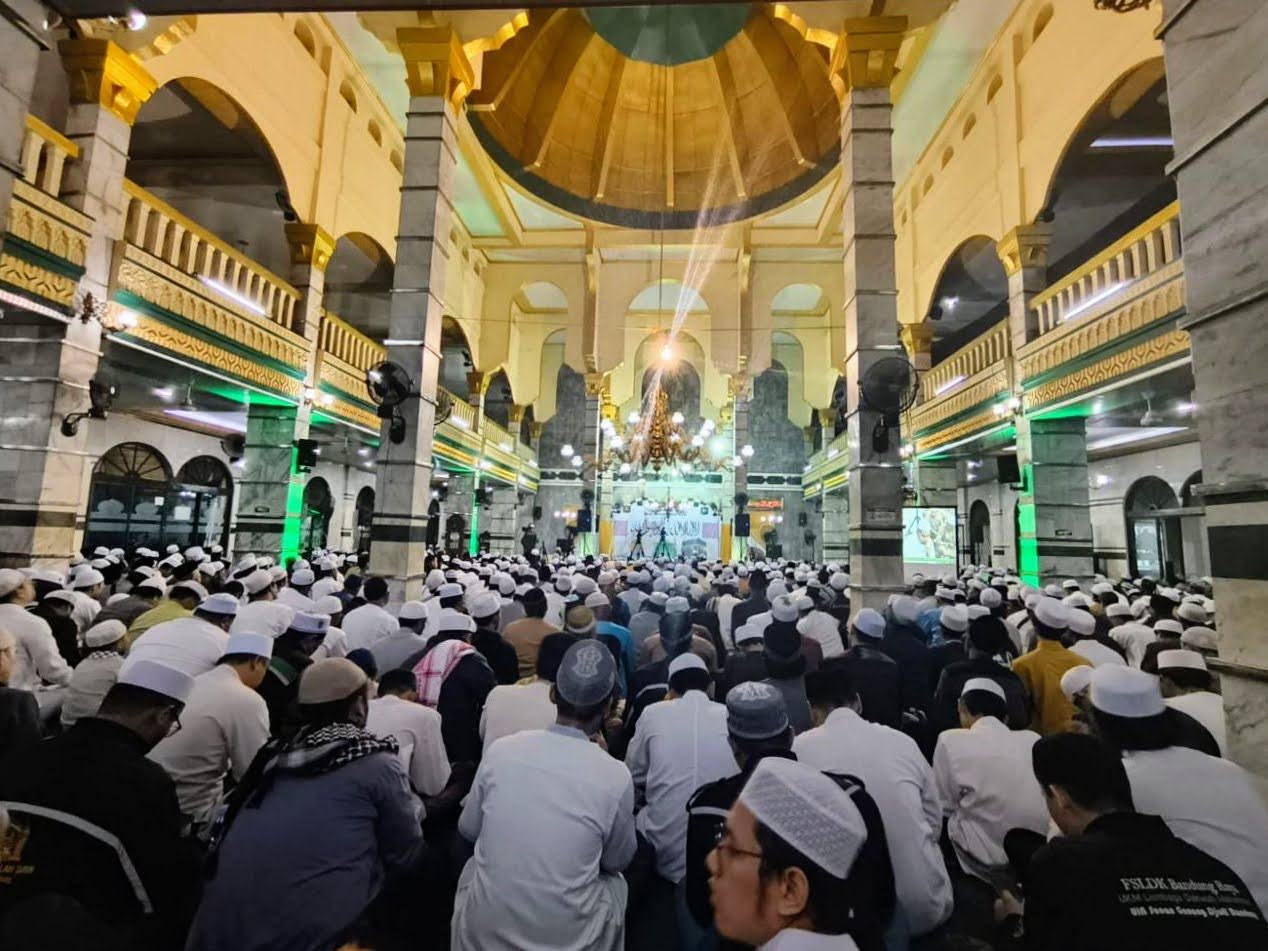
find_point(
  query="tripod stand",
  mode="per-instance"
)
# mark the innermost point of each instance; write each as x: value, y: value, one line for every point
x: 636, y: 550
x: 662, y: 547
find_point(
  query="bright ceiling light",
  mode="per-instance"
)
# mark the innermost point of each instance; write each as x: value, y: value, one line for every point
x: 667, y: 354
x: 1133, y: 142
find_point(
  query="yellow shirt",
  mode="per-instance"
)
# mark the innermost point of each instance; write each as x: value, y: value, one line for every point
x: 1041, y: 671
x: 165, y: 610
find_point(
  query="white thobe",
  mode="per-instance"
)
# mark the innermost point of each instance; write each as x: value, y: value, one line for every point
x: 726, y: 604
x: 324, y: 586
x: 633, y: 598
x: 824, y: 628
x: 555, y: 604
x: 1208, y: 709
x: 367, y: 624
x: 552, y: 818
x: 223, y: 726
x: 335, y: 644
x: 794, y: 939
x: 1133, y: 637
x: 262, y: 617
x: 987, y: 787
x: 188, y: 644
x: 85, y: 610
x: 294, y: 599
x: 1097, y: 654
x: 512, y: 708
x: 417, y: 730
x: 898, y: 778
x: 678, y: 746
x: 91, y: 681
x: 38, y: 660
x: 1209, y: 802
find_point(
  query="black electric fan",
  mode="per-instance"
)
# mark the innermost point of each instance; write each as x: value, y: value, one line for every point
x: 888, y: 387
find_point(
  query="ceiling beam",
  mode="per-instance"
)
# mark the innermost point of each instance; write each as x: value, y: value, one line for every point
x: 792, y: 98
x: 735, y: 142
x: 669, y: 136
x: 549, y: 95
x: 606, y: 131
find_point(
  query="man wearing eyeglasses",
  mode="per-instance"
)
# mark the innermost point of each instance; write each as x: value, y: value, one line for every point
x: 19, y: 713
x: 97, y: 824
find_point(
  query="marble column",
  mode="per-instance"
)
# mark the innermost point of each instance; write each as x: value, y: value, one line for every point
x: 1024, y: 253
x: 865, y: 57
x: 20, y: 46
x: 1216, y: 77
x: 45, y: 368
x: 592, y: 448
x: 741, y: 391
x: 437, y: 74
x: 1055, y: 520
x: 935, y: 482
x: 834, y: 535
x: 499, y: 519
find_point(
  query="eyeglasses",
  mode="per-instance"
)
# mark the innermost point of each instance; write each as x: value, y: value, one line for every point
x: 175, y: 726
x: 722, y: 843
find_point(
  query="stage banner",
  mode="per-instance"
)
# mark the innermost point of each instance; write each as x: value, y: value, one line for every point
x: 693, y: 532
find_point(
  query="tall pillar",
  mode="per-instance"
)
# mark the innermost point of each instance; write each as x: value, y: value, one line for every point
x: 499, y: 517
x: 1056, y: 527
x: 515, y: 421
x: 271, y: 489
x: 438, y: 75
x: 348, y: 514
x: 835, y: 533
x: 865, y: 57
x: 741, y: 389
x: 1024, y: 253
x: 45, y: 369
x: 597, y: 389
x: 20, y: 46
x: 1216, y: 74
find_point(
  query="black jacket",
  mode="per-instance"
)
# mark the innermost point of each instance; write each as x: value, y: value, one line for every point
x: 741, y: 667
x: 19, y: 719
x: 871, y: 880
x: 945, y: 713
x: 461, y: 702
x: 875, y: 675
x: 905, y: 643
x: 97, y: 772
x: 755, y: 603
x: 1128, y: 884
x: 280, y: 690
x: 500, y: 655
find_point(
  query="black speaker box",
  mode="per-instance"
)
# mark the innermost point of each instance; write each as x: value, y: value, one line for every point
x: 537, y: 512
x: 741, y: 525
x: 1008, y: 470
x: 584, y: 520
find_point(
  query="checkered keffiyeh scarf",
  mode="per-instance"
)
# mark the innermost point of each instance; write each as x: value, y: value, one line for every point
x: 437, y: 664
x: 326, y: 748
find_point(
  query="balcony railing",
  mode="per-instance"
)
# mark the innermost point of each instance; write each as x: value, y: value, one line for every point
x: 1144, y: 250
x: 44, y: 155
x: 156, y: 227
x: 965, y: 363
x: 464, y: 414
x: 350, y: 345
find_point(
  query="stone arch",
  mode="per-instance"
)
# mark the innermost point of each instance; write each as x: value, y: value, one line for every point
x: 358, y: 287
x: 778, y: 443
x: 456, y: 358
x: 969, y: 296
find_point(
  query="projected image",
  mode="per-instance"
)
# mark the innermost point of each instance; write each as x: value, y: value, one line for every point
x: 929, y: 536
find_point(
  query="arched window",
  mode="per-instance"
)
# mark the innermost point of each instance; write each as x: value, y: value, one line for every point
x: 318, y: 507
x: 980, y: 533
x: 365, y: 518
x: 128, y: 499
x: 1154, y: 546
x: 1186, y: 490
x: 201, y: 500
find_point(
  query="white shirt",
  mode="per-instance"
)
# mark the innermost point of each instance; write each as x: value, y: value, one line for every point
x: 188, y: 644
x: 324, y: 586
x: 985, y: 781
x: 1097, y: 654
x: 898, y: 778
x: 824, y: 628
x: 293, y: 599
x: 1209, y: 802
x: 417, y: 730
x: 91, y: 681
x: 511, y: 708
x: 552, y: 818
x: 262, y: 617
x: 794, y: 939
x: 223, y: 726
x: 726, y: 604
x: 1208, y: 709
x: 38, y: 660
x: 678, y: 746
x: 1133, y: 637
x: 85, y: 610
x: 555, y: 603
x: 335, y: 644
x: 367, y: 624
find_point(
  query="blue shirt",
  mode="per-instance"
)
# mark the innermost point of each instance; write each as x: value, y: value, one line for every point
x: 629, y: 656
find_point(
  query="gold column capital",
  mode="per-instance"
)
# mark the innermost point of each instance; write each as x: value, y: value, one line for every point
x: 478, y: 383
x: 102, y: 73
x: 827, y: 417
x: 917, y: 338
x: 866, y: 52
x: 515, y: 414
x: 598, y: 384
x: 311, y: 245
x: 739, y: 386
x: 1024, y: 246
x: 435, y: 63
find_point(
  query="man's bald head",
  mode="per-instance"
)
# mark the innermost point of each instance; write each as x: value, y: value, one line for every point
x: 8, y: 656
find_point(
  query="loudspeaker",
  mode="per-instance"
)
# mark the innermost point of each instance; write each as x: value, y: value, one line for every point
x: 801, y: 519
x: 1008, y: 470
x: 306, y: 453
x: 741, y: 525
x: 537, y: 512
x: 584, y: 518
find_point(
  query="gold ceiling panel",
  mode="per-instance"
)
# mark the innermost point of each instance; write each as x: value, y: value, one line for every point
x: 590, y: 129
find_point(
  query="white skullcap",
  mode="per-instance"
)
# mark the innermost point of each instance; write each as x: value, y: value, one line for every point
x: 658, y: 598
x: 783, y: 609
x: 1052, y: 613
x: 677, y: 605
x: 1168, y: 626
x: 277, y: 573
x: 307, y: 623
x: 748, y: 631
x: 954, y: 618
x: 1070, y: 585
x: 485, y: 604
x: 1200, y: 638
x: 328, y: 605
x: 1118, y: 609
x: 1191, y: 612
x: 334, y: 678
x: 455, y: 621
x: 687, y: 661
x: 905, y: 609
x: 1102, y: 587
x: 257, y: 581
x: 223, y: 604
x: 412, y: 611
x: 505, y: 584
x: 804, y: 602
x: 1076, y: 599
x: 260, y: 645
x: 61, y: 594
x: 301, y: 577
x: 983, y: 683
x: 1082, y: 623
x: 1171, y: 594
x: 115, y: 598
x: 435, y: 578
x: 990, y: 598
x: 1181, y: 658
x: 450, y: 589
x: 1053, y: 591
x: 978, y: 610
x: 1126, y: 692
x: 106, y: 632
x: 158, y: 677
x: 1075, y: 680
x: 808, y: 810
x: 86, y: 579
x: 10, y: 578
x: 597, y: 599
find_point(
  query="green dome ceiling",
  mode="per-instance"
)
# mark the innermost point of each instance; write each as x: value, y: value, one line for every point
x: 669, y: 35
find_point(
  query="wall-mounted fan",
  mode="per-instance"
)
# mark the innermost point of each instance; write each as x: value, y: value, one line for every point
x: 389, y: 386
x: 888, y: 387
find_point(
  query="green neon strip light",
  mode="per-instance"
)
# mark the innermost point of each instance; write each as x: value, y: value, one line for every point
x: 293, y: 526
x: 1028, y: 547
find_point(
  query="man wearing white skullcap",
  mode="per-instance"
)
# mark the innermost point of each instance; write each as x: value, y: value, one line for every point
x: 96, y: 673
x: 984, y: 781
x: 86, y: 585
x: 778, y: 875
x: 1186, y: 686
x: 1098, y: 649
x: 396, y: 712
x: 180, y: 602
x: 678, y: 746
x: 528, y: 799
x: 96, y: 776
x: 224, y: 724
x: 1209, y: 802
x: 1041, y: 669
x: 296, y: 594
x: 36, y: 658
x: 194, y: 644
